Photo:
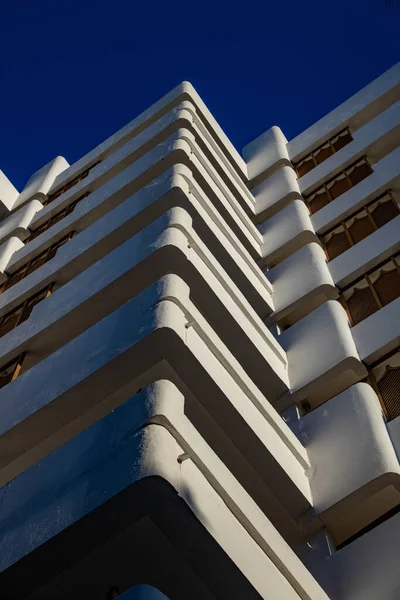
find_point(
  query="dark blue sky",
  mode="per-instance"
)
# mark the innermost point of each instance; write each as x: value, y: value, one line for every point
x: 74, y: 72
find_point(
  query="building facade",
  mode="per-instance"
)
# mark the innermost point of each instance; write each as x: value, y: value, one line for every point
x: 200, y: 362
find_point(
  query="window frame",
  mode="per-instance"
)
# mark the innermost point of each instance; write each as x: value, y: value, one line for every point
x: 353, y: 215
x: 325, y: 186
x: 366, y: 277
x: 311, y: 154
x: 47, y: 290
x: 67, y: 210
x: 66, y: 238
x: 70, y: 184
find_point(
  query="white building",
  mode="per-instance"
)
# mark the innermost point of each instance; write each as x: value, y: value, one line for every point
x: 200, y: 364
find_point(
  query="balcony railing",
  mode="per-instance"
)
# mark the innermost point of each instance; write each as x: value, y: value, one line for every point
x: 373, y: 291
x: 385, y: 379
x: 320, y: 154
x: 338, y: 185
x: 360, y: 225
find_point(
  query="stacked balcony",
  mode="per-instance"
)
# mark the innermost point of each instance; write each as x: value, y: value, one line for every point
x: 185, y: 336
x: 151, y: 348
x: 327, y: 205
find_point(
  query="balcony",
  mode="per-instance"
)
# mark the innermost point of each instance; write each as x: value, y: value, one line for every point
x: 341, y: 183
x: 320, y: 154
x: 360, y: 225
x: 373, y: 291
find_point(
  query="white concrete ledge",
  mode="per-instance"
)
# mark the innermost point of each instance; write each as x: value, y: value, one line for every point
x: 145, y: 437
x: 167, y: 245
x: 160, y: 331
x: 40, y: 182
x: 149, y: 160
x: 17, y: 223
x: 275, y: 192
x: 349, y: 494
x: 266, y: 153
x: 183, y: 92
x: 7, y: 250
x: 285, y: 233
x: 301, y: 283
x: 322, y: 356
x: 175, y: 187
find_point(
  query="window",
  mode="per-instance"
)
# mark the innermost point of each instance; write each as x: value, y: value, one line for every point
x: 385, y: 379
x: 373, y: 291
x: 35, y: 263
x: 11, y: 370
x: 385, y: 517
x: 55, y: 219
x: 360, y: 225
x: 69, y: 185
x: 316, y: 157
x: 338, y: 186
x: 20, y: 314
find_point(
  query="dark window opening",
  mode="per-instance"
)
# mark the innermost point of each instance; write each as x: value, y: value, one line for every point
x: 55, y: 219
x: 320, y: 154
x: 338, y: 185
x: 69, y: 185
x: 11, y: 370
x: 372, y: 291
x: 360, y: 225
x: 21, y: 313
x: 35, y: 263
